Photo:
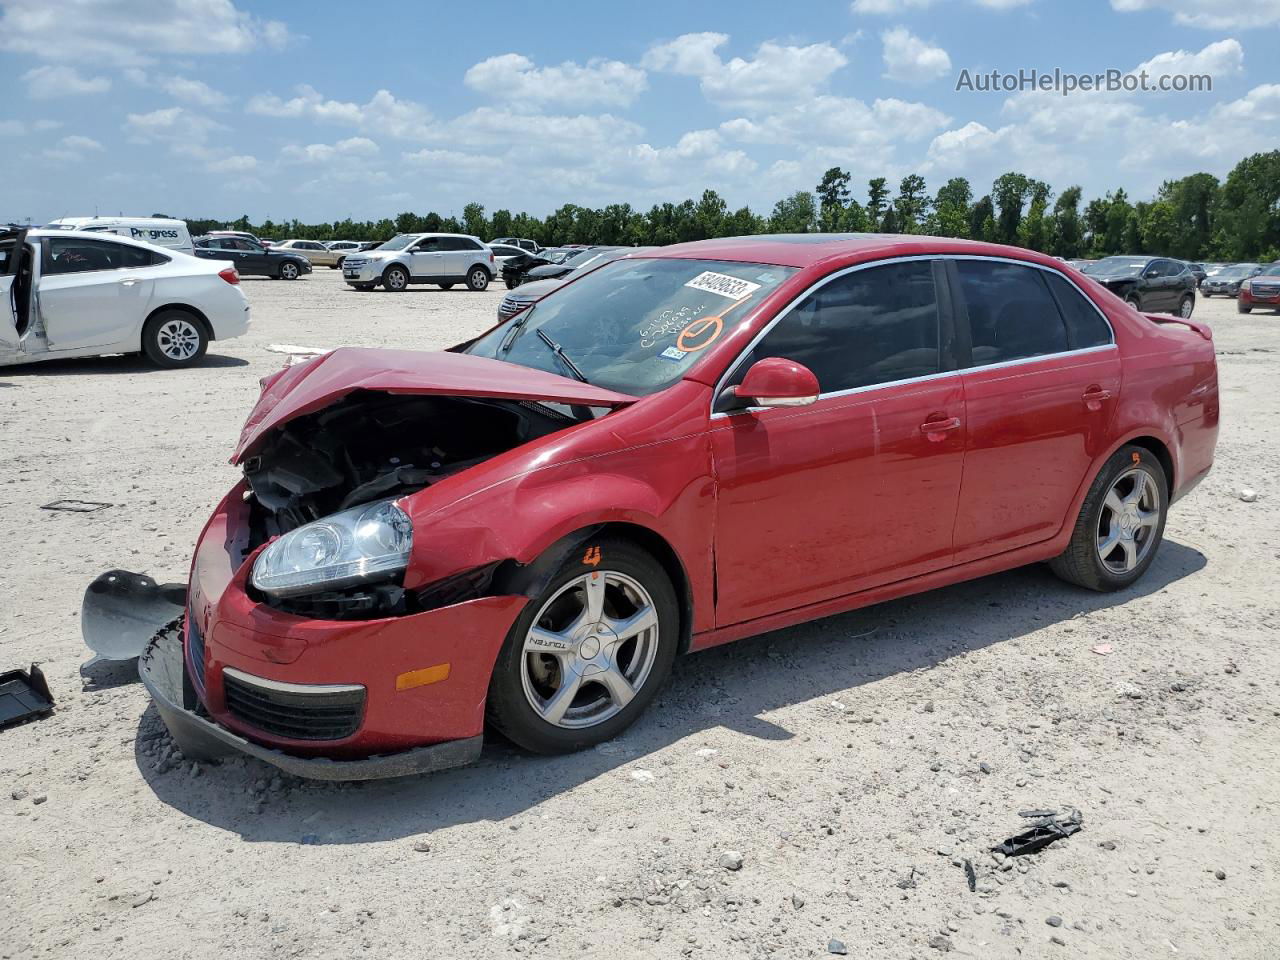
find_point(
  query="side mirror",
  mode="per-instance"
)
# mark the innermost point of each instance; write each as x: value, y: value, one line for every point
x: 775, y: 382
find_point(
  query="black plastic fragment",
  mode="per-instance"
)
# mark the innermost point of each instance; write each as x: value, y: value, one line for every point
x: 76, y: 506
x: 23, y: 696
x: 1042, y: 834
x: 1037, y: 814
x: 970, y: 875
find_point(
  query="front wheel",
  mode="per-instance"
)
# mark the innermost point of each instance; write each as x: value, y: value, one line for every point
x: 1186, y: 307
x: 589, y: 653
x: 478, y: 279
x: 174, y: 338
x: 1121, y: 523
x: 289, y: 271
x: 1241, y: 308
x: 396, y: 279
x: 1134, y: 301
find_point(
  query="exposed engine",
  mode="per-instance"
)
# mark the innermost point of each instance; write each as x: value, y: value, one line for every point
x: 376, y: 445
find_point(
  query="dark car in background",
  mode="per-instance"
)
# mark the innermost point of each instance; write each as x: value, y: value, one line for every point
x: 1197, y: 270
x: 1260, y: 290
x: 515, y: 269
x: 251, y: 258
x: 587, y: 259
x: 1226, y: 282
x: 1149, y: 284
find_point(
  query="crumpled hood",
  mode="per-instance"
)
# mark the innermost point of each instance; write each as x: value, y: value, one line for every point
x: 307, y: 387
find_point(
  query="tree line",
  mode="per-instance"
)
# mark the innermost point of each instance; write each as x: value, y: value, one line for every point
x: 1194, y: 218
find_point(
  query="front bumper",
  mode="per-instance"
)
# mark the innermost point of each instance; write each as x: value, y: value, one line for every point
x: 163, y: 672
x: 425, y: 676
x: 370, y: 271
x: 1254, y: 298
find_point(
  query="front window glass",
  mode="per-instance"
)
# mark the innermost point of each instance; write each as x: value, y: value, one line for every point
x: 400, y: 241
x: 635, y: 326
x: 1111, y: 266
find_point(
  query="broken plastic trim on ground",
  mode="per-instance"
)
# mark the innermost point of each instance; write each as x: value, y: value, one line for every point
x: 1049, y: 828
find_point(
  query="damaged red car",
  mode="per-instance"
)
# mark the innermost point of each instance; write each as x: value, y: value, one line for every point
x: 673, y: 451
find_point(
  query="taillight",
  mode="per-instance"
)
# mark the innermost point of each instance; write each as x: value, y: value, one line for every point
x: 230, y: 275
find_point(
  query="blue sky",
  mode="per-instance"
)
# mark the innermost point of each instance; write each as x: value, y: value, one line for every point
x: 322, y: 111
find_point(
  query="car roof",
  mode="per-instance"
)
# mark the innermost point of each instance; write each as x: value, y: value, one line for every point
x: 807, y: 249
x: 98, y: 235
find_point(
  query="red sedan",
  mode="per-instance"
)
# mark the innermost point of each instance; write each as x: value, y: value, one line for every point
x: 669, y: 453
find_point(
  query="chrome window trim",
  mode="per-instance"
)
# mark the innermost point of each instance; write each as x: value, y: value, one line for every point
x: 721, y: 383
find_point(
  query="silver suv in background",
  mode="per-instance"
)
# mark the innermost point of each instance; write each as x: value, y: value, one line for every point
x: 444, y: 259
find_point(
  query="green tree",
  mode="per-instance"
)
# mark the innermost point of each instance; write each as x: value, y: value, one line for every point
x: 1033, y: 231
x: 833, y: 197
x: 709, y: 215
x: 911, y: 203
x: 877, y: 201
x: 1192, y: 201
x: 1009, y: 192
x: 1248, y: 216
x: 951, y: 209
x: 794, y: 214
x: 501, y: 224
x: 1066, y: 236
x: 982, y: 224
x: 474, y: 221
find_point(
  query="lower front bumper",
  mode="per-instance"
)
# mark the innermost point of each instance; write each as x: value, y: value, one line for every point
x: 163, y: 672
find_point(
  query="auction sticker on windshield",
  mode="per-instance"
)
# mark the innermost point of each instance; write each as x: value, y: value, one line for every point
x: 724, y: 285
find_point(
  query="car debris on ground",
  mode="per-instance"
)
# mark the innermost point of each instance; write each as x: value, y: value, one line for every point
x: 24, y: 695
x: 1050, y: 826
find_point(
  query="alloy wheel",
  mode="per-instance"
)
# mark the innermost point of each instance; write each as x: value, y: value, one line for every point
x: 590, y: 649
x: 289, y: 271
x: 178, y: 339
x: 1127, y: 525
x: 1185, y: 309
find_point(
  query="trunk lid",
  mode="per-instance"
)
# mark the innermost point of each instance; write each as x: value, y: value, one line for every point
x: 319, y: 383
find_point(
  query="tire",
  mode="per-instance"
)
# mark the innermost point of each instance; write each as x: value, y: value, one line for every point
x: 521, y: 702
x: 174, y: 338
x: 289, y: 271
x: 478, y: 279
x: 1134, y: 528
x: 511, y: 284
x: 1206, y: 294
x: 1134, y: 301
x: 1241, y: 308
x: 445, y: 286
x: 395, y: 279
x: 1186, y: 307
x: 363, y: 287
x: 338, y: 265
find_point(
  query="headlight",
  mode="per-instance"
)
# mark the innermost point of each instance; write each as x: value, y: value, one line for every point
x: 1246, y: 285
x: 360, y: 545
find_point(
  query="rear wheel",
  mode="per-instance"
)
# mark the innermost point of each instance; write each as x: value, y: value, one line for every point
x: 445, y: 286
x: 289, y: 271
x: 1134, y: 301
x: 1121, y: 523
x: 363, y: 287
x: 478, y: 279
x: 174, y: 338
x: 589, y: 653
x: 1186, y: 307
x: 396, y: 279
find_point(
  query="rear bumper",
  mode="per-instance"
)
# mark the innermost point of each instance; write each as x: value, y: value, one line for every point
x: 163, y: 672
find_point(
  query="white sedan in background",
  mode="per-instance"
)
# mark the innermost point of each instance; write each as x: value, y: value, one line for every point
x: 73, y: 294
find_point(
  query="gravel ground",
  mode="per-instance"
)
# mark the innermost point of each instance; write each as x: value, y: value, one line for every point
x: 818, y: 784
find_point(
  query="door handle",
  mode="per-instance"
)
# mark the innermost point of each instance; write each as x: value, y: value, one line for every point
x: 128, y: 281
x: 1094, y: 396
x: 937, y: 430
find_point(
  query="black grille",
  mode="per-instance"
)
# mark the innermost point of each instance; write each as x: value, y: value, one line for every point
x: 295, y: 713
x: 195, y: 644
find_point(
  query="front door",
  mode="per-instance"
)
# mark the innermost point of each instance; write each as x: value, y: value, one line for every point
x: 11, y: 245
x: 427, y: 258
x: 92, y: 292
x: 1039, y: 395
x: 860, y: 488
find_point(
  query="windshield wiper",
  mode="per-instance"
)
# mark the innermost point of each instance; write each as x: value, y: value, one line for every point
x: 509, y: 340
x: 564, y: 357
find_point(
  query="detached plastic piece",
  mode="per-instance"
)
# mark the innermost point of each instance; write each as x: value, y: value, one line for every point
x: 122, y: 611
x: 1042, y: 834
x: 23, y: 696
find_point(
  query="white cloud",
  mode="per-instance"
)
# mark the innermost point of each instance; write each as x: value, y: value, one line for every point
x: 357, y: 147
x: 1220, y: 59
x: 72, y: 149
x: 194, y: 91
x: 1260, y: 105
x: 12, y: 128
x: 132, y: 31
x: 516, y: 79
x: 183, y: 130
x: 384, y: 113
x: 776, y: 76
x: 1211, y: 14
x: 240, y: 163
x: 908, y: 59
x: 893, y: 7
x: 48, y: 82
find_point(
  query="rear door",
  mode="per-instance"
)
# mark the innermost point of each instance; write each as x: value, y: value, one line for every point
x: 93, y: 292
x: 859, y: 488
x: 10, y: 259
x: 1040, y: 388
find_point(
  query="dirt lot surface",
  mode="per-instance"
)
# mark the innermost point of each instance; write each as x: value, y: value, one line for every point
x: 853, y: 763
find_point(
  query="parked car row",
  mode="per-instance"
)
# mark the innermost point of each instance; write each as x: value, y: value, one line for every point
x: 1149, y: 284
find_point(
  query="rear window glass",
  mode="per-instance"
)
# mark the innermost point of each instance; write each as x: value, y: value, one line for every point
x: 1011, y: 314
x: 1085, y: 325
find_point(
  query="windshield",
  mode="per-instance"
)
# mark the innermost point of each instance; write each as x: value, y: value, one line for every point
x: 1239, y: 270
x: 1110, y: 265
x: 399, y: 242
x: 634, y: 326
x: 1271, y: 271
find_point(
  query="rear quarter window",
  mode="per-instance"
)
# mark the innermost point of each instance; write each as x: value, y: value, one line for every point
x: 1085, y: 325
